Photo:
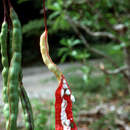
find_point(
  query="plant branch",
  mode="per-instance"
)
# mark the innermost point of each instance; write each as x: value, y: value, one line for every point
x: 96, y: 34
x: 113, y: 72
x: 5, y: 10
x: 10, y: 5
x: 85, y: 42
x: 98, y: 52
x: 44, y: 10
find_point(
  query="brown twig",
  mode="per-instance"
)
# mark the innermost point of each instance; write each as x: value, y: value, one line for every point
x: 5, y: 10
x: 74, y: 26
x: 113, y: 72
x: 94, y: 50
x: 45, y: 20
x: 10, y: 5
x: 96, y: 34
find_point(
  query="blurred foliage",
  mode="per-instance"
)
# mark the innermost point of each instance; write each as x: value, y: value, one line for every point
x: 115, y: 51
x: 21, y: 1
x: 94, y: 81
x: 97, y: 15
x: 33, y: 27
x: 68, y: 50
x: 105, y: 122
x: 43, y: 115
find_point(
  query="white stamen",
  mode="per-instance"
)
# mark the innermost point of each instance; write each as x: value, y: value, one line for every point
x: 63, y: 113
x: 64, y: 116
x: 67, y: 122
x: 68, y: 92
x: 66, y: 128
x: 64, y: 81
x: 65, y: 86
x: 72, y: 98
x: 63, y: 122
x: 64, y: 104
x: 62, y: 92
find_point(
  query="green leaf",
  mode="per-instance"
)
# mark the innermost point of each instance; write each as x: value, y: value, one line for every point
x: 74, y: 53
x: 32, y: 26
x: 56, y: 7
x: 63, y: 58
x: 54, y: 14
x: 112, y: 21
x: 62, y: 51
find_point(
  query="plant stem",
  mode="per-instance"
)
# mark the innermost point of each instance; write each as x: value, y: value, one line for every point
x: 44, y: 11
x: 5, y: 10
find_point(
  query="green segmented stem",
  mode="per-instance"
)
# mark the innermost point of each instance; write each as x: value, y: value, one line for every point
x: 12, y: 85
x: 27, y: 108
x: 14, y: 71
x: 5, y: 63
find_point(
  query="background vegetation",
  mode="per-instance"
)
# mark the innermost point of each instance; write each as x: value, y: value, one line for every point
x: 96, y: 34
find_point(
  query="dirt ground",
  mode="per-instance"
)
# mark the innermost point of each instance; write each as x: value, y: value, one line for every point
x: 39, y: 82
